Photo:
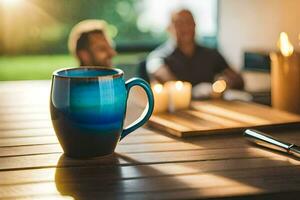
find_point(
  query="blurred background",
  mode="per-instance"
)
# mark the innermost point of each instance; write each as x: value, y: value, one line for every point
x: 34, y: 33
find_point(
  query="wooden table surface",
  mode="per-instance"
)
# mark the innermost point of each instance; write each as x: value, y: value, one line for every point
x: 147, y: 164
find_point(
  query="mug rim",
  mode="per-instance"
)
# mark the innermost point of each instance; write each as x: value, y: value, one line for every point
x: 118, y: 74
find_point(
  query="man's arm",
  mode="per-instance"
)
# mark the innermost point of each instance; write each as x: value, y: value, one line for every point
x: 163, y: 74
x: 233, y: 79
x: 155, y: 63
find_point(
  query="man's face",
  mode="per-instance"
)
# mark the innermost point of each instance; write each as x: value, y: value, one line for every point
x: 183, y: 26
x: 100, y: 51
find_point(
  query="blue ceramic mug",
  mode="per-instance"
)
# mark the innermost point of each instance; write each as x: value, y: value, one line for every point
x: 88, y: 107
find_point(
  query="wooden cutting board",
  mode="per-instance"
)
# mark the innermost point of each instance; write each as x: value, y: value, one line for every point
x: 211, y: 117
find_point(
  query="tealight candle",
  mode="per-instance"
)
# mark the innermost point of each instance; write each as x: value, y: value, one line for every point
x: 180, y: 94
x: 160, y: 94
x: 218, y: 88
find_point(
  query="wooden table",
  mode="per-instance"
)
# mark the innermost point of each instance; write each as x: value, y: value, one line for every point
x: 147, y: 164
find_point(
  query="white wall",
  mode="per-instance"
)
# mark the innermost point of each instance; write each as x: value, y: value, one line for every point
x: 255, y: 25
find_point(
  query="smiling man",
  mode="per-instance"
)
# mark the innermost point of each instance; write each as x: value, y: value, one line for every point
x: 91, y: 45
x: 181, y: 58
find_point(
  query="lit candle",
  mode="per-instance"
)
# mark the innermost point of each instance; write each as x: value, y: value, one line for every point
x: 285, y: 77
x: 180, y: 94
x: 218, y: 88
x: 160, y: 94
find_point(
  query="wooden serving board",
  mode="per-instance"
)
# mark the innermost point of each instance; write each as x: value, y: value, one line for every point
x: 211, y: 117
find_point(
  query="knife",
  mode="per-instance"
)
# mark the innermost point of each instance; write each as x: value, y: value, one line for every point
x: 268, y: 141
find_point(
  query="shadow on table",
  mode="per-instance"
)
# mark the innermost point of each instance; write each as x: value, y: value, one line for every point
x: 274, y: 174
x: 112, y: 177
x: 244, y: 171
x: 82, y: 179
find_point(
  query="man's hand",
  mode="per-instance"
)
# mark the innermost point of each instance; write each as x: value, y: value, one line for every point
x: 233, y: 79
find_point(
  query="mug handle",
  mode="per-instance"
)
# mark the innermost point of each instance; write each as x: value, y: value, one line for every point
x: 147, y: 111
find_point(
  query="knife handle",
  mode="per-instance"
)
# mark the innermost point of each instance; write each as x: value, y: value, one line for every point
x: 267, y: 140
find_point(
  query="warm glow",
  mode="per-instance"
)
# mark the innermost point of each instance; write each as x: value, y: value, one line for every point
x: 273, y: 155
x: 179, y: 85
x: 230, y: 114
x: 219, y: 86
x: 195, y: 177
x: 158, y: 88
x: 285, y: 45
x: 11, y: 3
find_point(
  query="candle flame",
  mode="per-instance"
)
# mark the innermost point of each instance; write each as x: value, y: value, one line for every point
x: 158, y: 88
x: 219, y: 86
x: 179, y: 85
x: 285, y: 45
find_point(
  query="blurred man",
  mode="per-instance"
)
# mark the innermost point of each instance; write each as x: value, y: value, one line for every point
x: 89, y: 42
x: 181, y: 58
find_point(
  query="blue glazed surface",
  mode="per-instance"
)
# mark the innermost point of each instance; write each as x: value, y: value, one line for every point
x: 88, y: 109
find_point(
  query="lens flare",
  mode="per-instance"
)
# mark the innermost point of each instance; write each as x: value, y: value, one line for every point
x: 11, y: 3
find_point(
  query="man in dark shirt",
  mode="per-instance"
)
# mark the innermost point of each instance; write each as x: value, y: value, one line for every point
x: 181, y: 58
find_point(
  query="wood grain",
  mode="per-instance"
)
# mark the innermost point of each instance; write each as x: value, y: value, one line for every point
x: 51, y: 159
x: 148, y: 164
x: 147, y: 170
x: 213, y: 117
x: 69, y: 184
